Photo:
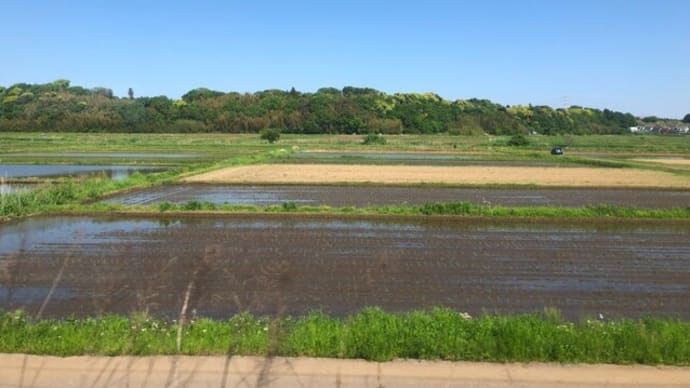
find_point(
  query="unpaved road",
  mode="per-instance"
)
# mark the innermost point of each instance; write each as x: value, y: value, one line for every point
x: 18, y: 370
x: 544, y: 176
x: 671, y: 161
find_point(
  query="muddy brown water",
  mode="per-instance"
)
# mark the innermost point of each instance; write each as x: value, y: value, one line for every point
x: 341, y: 196
x: 278, y: 265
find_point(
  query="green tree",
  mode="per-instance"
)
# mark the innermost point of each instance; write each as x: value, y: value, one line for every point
x: 59, y: 106
x: 60, y: 84
x: 686, y: 119
x: 271, y: 135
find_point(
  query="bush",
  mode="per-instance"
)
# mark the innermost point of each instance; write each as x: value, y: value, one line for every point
x: 270, y: 134
x: 374, y: 138
x: 518, y: 140
x: 289, y: 206
x: 165, y: 206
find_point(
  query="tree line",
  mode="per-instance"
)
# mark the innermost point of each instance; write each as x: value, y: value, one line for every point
x: 58, y: 106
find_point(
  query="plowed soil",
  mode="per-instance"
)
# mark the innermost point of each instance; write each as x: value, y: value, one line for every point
x: 545, y: 176
x: 279, y: 265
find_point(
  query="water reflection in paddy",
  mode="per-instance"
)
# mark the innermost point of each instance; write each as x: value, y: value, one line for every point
x: 391, y: 195
x: 113, y: 155
x: 270, y: 264
x: 49, y: 170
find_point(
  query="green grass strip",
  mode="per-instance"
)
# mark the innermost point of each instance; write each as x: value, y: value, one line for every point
x: 371, y: 334
x: 431, y: 209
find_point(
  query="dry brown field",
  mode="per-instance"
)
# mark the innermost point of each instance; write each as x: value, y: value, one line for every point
x: 470, y: 175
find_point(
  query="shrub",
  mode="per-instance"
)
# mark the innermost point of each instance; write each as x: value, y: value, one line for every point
x: 518, y: 140
x: 289, y: 206
x: 374, y: 138
x: 165, y: 206
x: 270, y: 134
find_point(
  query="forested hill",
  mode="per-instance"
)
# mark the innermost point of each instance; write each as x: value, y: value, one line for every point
x: 57, y: 106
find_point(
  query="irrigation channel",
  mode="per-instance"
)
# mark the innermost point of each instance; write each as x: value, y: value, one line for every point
x: 277, y: 264
x: 341, y: 196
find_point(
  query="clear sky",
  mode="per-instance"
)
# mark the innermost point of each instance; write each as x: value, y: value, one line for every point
x: 627, y: 55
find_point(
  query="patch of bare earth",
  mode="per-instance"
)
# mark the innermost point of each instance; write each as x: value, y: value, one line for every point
x: 208, y: 371
x: 543, y: 176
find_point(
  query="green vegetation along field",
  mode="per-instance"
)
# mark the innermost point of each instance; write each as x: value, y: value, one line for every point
x: 89, y: 148
x: 371, y: 334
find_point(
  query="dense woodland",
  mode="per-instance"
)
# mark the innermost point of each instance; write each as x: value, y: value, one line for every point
x: 58, y: 106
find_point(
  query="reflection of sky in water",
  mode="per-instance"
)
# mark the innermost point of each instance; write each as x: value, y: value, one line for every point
x: 251, y: 195
x: 262, y: 195
x: 30, y: 170
x: 60, y: 233
x: 44, y: 233
x: 113, y: 155
x: 30, y: 295
x: 431, y: 254
x: 32, y: 233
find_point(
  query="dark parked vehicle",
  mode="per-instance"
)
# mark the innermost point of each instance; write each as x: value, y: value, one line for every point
x: 557, y: 151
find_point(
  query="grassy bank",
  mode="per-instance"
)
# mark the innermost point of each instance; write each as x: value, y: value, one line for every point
x: 431, y: 209
x: 77, y: 193
x: 370, y: 334
x: 79, y: 196
x: 221, y: 146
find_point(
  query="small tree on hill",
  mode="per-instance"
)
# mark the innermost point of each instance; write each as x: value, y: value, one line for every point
x: 686, y: 119
x: 270, y: 134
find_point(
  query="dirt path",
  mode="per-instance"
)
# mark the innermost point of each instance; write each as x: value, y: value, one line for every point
x: 671, y: 161
x: 546, y: 176
x: 18, y: 370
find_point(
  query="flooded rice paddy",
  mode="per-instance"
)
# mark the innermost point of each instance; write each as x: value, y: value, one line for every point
x: 109, y: 155
x: 278, y: 265
x: 53, y: 170
x: 342, y: 196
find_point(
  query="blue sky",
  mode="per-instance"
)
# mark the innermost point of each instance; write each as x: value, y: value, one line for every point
x: 632, y: 56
